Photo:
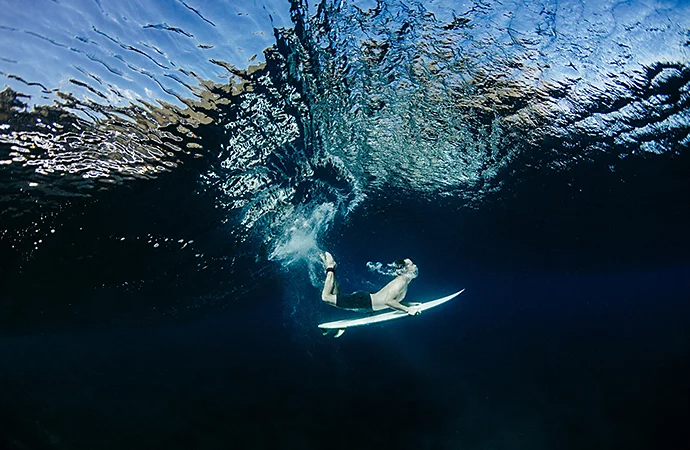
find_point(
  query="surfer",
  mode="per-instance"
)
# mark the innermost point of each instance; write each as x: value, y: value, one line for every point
x: 389, y: 296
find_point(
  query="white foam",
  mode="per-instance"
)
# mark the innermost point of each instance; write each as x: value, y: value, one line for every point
x: 299, y: 241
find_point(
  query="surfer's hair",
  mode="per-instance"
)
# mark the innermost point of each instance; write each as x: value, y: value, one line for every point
x: 397, y: 267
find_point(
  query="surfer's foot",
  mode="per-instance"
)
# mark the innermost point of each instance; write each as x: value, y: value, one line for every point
x: 328, y: 260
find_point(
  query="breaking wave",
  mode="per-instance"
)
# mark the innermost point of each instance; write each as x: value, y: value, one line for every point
x: 291, y: 119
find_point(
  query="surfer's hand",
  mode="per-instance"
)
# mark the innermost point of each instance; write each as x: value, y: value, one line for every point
x: 413, y: 311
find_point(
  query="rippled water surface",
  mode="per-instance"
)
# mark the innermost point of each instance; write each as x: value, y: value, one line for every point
x: 283, y: 101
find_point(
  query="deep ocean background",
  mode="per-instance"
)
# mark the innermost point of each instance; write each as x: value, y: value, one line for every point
x: 570, y: 334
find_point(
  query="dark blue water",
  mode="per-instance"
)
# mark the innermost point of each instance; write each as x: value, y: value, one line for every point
x: 523, y: 361
x: 170, y: 171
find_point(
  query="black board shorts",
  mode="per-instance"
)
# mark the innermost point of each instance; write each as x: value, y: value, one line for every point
x: 358, y: 301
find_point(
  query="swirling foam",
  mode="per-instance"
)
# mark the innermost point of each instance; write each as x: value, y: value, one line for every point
x: 299, y: 243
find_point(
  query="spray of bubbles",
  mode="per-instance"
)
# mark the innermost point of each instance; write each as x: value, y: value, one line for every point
x: 298, y: 243
x: 390, y: 269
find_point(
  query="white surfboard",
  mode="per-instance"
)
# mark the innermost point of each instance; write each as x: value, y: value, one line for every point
x: 342, y: 325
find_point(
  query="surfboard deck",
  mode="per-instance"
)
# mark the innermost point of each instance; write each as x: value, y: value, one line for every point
x: 342, y: 325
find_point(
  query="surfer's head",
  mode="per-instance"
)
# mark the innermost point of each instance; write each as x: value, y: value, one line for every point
x: 406, y: 267
x: 401, y: 267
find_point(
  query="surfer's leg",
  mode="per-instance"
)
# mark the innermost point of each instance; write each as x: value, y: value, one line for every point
x: 327, y: 295
x: 330, y: 286
x: 336, y: 286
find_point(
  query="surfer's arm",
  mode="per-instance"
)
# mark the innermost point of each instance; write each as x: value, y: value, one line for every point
x: 400, y: 307
x: 397, y: 305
